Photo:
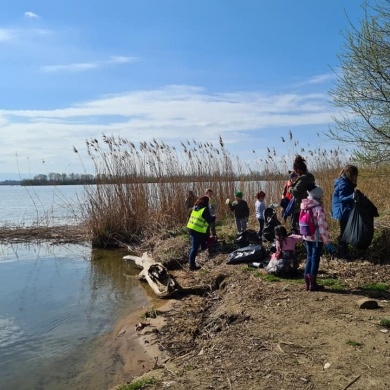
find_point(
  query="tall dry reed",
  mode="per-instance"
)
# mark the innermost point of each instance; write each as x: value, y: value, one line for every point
x: 141, y: 190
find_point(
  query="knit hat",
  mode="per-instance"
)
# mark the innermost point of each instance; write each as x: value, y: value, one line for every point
x: 238, y: 194
x: 316, y: 193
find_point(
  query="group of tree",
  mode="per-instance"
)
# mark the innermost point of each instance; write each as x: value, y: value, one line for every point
x: 59, y: 179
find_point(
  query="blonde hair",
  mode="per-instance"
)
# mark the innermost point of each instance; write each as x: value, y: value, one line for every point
x: 350, y: 172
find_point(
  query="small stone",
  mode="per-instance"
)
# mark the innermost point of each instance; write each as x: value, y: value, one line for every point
x: 369, y: 304
x: 326, y: 366
x: 384, y: 330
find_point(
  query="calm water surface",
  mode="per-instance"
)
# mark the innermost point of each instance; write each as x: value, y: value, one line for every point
x: 56, y: 302
x: 41, y: 205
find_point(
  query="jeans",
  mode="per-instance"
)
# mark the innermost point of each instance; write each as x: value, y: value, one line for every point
x: 197, y: 240
x: 313, y: 250
x: 241, y: 224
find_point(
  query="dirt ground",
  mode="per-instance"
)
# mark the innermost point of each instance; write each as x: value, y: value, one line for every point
x: 252, y: 332
x: 248, y: 331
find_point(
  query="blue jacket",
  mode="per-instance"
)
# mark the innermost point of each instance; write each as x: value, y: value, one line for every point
x: 342, y: 199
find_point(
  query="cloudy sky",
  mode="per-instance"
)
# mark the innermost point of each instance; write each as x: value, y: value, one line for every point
x: 246, y: 70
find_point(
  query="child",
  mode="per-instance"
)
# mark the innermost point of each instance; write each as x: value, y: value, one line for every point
x: 241, y: 211
x: 284, y: 260
x: 213, y: 210
x: 259, y: 208
x: 315, y: 242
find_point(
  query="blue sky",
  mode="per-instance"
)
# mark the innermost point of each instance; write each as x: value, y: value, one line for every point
x: 246, y: 70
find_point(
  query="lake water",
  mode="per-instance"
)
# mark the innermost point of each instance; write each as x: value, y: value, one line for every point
x: 56, y: 302
x: 41, y: 205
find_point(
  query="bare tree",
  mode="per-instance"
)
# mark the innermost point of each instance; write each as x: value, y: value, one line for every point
x: 362, y: 87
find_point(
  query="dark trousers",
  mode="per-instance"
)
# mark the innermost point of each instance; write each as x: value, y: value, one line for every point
x: 197, y: 240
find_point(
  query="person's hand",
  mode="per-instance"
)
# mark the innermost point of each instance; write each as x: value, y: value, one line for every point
x: 227, y: 201
x: 330, y: 248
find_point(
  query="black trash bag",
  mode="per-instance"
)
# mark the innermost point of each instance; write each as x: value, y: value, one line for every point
x: 247, y: 237
x: 359, y: 230
x: 248, y: 254
x: 270, y: 221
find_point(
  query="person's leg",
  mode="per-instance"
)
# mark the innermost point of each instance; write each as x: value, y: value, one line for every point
x: 213, y: 230
x: 316, y: 257
x: 309, y: 253
x: 295, y: 223
x: 342, y: 245
x: 238, y: 225
x: 195, y: 242
x: 243, y: 224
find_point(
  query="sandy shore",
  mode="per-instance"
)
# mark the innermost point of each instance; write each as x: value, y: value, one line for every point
x: 137, y: 350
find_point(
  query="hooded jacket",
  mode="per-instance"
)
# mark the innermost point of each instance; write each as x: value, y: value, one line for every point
x: 319, y: 220
x: 342, y: 199
x: 299, y: 189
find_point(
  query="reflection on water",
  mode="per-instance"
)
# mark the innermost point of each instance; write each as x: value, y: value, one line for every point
x: 55, y: 302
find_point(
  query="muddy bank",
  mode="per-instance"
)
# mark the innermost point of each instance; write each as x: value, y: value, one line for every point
x: 256, y: 332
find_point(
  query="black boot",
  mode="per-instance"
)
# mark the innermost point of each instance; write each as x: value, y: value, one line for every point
x: 342, y: 251
x: 313, y: 283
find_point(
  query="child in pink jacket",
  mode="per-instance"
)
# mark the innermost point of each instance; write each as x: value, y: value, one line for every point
x: 284, y: 260
x: 316, y: 241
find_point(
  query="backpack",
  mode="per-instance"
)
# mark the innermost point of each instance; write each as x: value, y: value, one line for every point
x: 307, y: 226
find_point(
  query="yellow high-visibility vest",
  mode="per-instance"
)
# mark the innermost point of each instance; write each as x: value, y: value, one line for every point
x: 197, y: 222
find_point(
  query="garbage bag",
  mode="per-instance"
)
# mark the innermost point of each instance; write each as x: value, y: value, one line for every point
x: 248, y: 254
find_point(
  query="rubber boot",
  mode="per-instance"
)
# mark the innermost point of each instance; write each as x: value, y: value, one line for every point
x: 307, y: 282
x: 313, y: 283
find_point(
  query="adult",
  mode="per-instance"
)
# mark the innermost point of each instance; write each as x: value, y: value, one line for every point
x: 342, y: 202
x: 189, y: 202
x: 197, y: 226
x: 298, y: 189
x: 213, y: 210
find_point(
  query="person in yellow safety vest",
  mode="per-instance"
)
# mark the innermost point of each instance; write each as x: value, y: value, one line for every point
x: 197, y: 226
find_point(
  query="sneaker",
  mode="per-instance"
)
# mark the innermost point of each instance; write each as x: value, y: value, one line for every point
x: 195, y: 268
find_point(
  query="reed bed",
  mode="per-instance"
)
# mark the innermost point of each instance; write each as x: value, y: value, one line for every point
x: 140, y: 190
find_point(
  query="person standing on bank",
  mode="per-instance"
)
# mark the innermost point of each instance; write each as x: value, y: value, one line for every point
x: 316, y: 241
x: 299, y: 188
x: 260, y: 208
x: 342, y: 202
x: 197, y: 226
x: 213, y: 210
x: 241, y: 211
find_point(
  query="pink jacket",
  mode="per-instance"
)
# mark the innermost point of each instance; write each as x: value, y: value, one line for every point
x: 319, y: 220
x: 288, y: 244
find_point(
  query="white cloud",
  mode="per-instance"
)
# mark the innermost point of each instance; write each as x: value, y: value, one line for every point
x: 320, y: 79
x: 170, y: 114
x: 30, y: 14
x: 6, y: 35
x: 81, y: 67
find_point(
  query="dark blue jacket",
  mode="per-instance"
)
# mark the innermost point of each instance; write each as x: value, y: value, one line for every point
x: 342, y: 199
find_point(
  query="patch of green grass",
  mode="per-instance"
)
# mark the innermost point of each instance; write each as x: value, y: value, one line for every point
x: 353, y: 343
x: 151, y: 312
x: 385, y: 322
x: 378, y: 287
x: 204, y: 271
x: 138, y: 385
x: 268, y: 277
x: 333, y: 284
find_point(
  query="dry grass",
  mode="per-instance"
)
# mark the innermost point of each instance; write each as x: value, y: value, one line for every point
x: 141, y: 190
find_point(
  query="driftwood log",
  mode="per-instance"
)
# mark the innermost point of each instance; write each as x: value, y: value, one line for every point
x: 159, y: 279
